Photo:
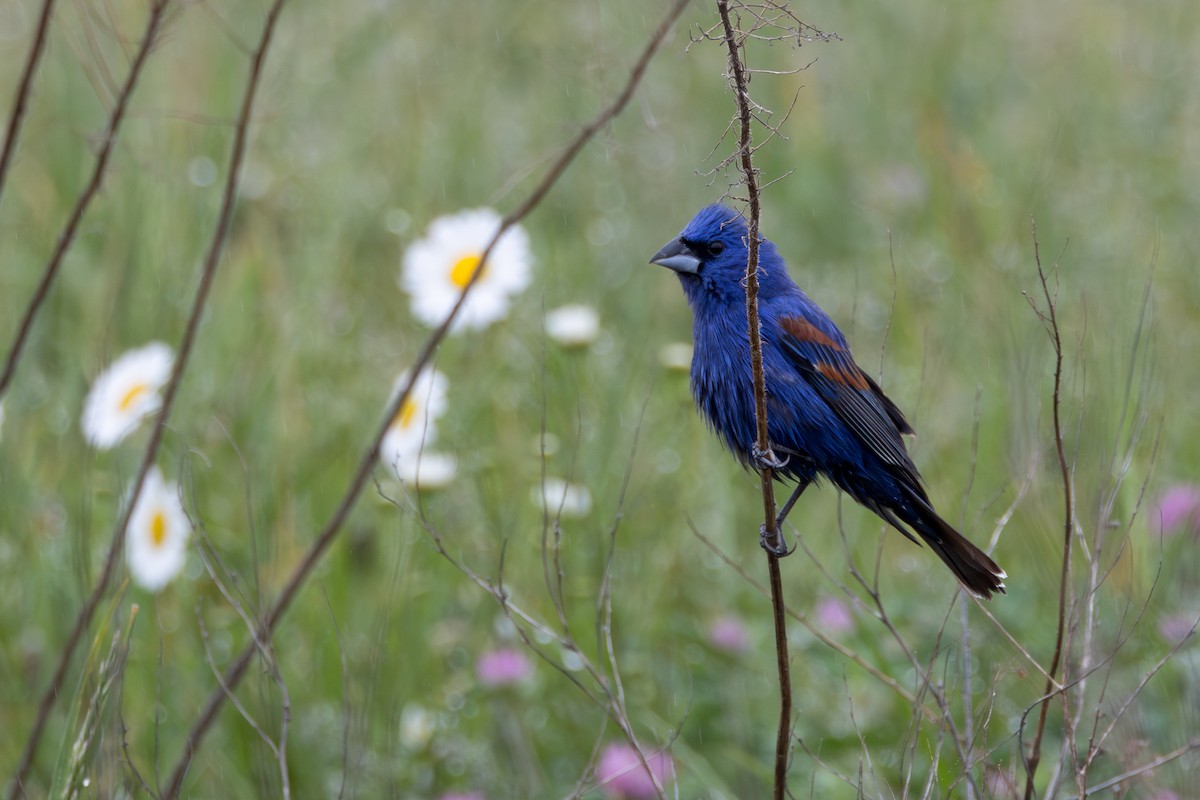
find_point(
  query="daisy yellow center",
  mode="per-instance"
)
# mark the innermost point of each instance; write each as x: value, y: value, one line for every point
x: 158, y: 529
x: 406, y: 414
x: 463, y: 269
x: 131, y: 396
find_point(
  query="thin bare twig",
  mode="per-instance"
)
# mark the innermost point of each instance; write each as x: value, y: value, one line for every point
x: 67, y: 237
x: 366, y: 463
x: 738, y: 81
x: 216, y: 572
x: 611, y: 701
x: 1142, y: 770
x: 818, y: 633
x: 106, y: 86
x: 278, y: 750
x: 1050, y: 319
x: 24, y: 86
x: 346, y: 710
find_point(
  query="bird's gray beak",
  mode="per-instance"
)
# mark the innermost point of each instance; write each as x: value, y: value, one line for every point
x: 677, y: 256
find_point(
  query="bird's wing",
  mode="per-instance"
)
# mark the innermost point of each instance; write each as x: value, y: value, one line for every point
x: 826, y: 363
x: 893, y: 411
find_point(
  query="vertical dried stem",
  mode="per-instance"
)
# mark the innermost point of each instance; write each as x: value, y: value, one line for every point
x: 739, y: 79
x: 1050, y: 318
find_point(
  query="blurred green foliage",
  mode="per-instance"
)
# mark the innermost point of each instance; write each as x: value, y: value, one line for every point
x: 920, y: 148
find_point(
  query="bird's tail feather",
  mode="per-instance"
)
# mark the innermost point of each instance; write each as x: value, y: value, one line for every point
x: 973, y: 568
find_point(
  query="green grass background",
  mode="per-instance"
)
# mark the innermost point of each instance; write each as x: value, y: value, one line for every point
x: 930, y: 135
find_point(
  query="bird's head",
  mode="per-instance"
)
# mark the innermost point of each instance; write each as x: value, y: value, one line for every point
x: 710, y: 255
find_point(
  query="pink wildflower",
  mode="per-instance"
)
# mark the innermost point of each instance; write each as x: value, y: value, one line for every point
x: 833, y: 615
x: 729, y: 634
x: 1176, y: 628
x: 503, y: 667
x: 622, y: 775
x: 1178, y: 507
x: 999, y: 783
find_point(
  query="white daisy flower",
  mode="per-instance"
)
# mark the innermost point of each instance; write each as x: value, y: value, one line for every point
x: 437, y: 268
x: 416, y: 726
x: 125, y: 394
x: 573, y: 325
x: 676, y: 356
x: 427, y: 470
x: 157, y: 536
x: 568, y: 500
x: 413, y: 426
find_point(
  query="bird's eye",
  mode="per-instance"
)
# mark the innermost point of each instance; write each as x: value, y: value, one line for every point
x: 716, y: 248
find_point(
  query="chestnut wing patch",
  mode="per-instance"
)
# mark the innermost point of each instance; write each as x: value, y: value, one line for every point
x: 804, y: 331
x: 845, y: 374
x: 826, y: 363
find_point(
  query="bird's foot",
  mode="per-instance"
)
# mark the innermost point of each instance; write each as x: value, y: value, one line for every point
x: 766, y: 459
x: 774, y: 544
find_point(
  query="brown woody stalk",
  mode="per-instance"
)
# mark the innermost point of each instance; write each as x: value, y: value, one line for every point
x: 1050, y: 318
x: 737, y: 71
x: 366, y: 463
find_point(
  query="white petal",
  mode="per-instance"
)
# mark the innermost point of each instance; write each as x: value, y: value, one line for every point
x: 429, y: 390
x: 400, y: 444
x: 154, y: 563
x: 483, y: 307
x: 109, y: 415
x: 562, y: 498
x: 428, y: 265
x: 416, y: 726
x: 405, y: 438
x: 471, y: 228
x: 431, y: 306
x: 429, y: 470
x: 573, y: 325
x: 510, y: 262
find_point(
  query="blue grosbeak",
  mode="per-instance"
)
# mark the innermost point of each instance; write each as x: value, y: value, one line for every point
x: 827, y: 418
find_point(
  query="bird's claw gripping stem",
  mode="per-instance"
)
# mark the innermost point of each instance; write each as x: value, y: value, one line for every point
x: 775, y: 544
x: 766, y: 459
